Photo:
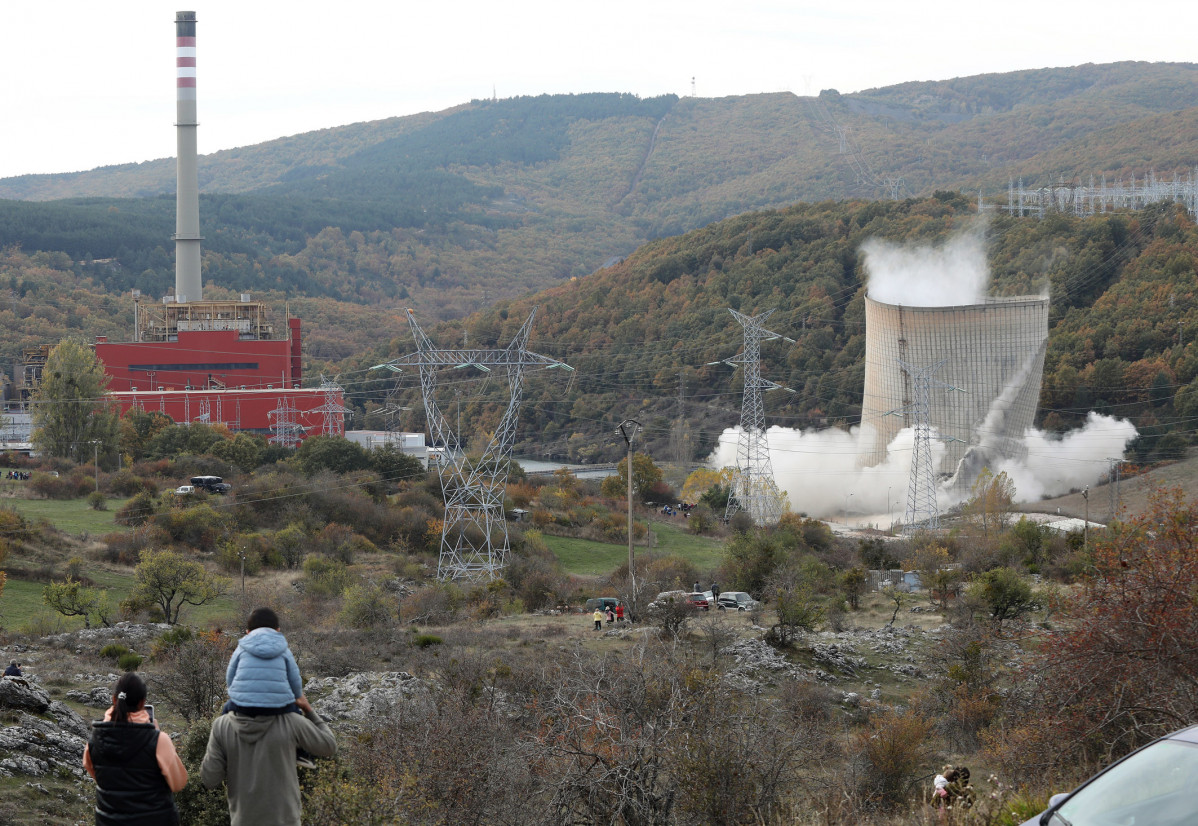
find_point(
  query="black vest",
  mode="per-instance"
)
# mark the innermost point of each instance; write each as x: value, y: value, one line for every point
x: 130, y: 788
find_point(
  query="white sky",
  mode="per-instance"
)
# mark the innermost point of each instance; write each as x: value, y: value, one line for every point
x: 90, y: 84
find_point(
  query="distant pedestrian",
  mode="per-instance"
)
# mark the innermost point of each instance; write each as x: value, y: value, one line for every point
x: 696, y: 588
x: 13, y: 670
x: 620, y: 612
x: 598, y: 618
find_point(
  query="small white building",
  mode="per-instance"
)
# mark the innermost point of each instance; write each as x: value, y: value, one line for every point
x: 411, y: 444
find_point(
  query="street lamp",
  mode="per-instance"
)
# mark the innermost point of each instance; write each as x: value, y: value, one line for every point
x: 847, y: 496
x: 888, y: 517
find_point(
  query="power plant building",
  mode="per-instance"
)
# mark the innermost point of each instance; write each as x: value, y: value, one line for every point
x: 984, y: 396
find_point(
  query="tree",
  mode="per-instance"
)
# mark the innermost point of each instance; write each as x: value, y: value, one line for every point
x: 1124, y: 671
x: 191, y: 673
x: 897, y: 598
x: 394, y: 466
x: 990, y: 501
x: 1005, y: 593
x: 335, y: 453
x: 702, y: 480
x: 166, y: 579
x: 73, y: 599
x: 71, y: 406
x: 936, y: 572
x: 138, y: 427
x: 645, y: 474
x: 853, y: 583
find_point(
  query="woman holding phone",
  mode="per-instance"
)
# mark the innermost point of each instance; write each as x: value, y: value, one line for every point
x: 136, y: 767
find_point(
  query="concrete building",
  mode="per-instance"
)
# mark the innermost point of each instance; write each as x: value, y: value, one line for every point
x: 993, y: 356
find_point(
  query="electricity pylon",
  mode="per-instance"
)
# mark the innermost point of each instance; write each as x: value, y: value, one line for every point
x: 474, y: 535
x: 752, y: 487
x: 923, y: 511
x: 285, y: 428
x: 332, y: 411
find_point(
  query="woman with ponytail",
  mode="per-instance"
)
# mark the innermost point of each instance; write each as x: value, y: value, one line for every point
x: 135, y: 765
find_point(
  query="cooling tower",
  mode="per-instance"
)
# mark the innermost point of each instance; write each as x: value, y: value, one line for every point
x: 985, y: 394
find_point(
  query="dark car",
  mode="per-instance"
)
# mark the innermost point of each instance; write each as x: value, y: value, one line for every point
x: 737, y: 601
x: 1156, y: 785
x: 602, y: 603
x: 212, y: 484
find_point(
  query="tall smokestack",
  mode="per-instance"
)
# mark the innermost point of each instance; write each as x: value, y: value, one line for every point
x: 187, y: 199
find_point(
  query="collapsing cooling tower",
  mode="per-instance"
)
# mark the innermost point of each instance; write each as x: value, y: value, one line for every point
x: 993, y: 356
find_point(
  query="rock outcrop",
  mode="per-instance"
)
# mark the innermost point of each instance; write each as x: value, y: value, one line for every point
x: 357, y: 699
x: 46, y: 737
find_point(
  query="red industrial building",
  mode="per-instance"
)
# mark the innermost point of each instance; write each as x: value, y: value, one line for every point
x: 219, y: 362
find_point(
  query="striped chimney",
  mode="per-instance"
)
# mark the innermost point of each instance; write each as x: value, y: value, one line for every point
x: 187, y: 236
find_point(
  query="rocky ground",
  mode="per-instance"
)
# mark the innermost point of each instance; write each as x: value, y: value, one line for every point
x: 44, y: 717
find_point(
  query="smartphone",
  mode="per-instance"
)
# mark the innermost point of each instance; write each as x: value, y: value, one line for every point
x: 150, y: 709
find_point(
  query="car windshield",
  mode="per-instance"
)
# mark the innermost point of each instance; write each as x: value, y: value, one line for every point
x: 1157, y: 786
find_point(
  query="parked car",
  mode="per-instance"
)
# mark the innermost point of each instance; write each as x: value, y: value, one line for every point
x: 185, y: 490
x: 1156, y: 785
x: 212, y: 484
x: 737, y: 601
x: 602, y: 603
x: 695, y: 599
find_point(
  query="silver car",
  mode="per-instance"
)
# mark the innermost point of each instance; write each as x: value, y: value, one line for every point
x: 1156, y: 785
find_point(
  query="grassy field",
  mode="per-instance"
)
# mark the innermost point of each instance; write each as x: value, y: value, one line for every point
x: 21, y: 604
x: 590, y: 558
x: 73, y: 516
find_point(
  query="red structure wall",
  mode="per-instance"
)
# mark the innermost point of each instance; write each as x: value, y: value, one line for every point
x: 203, y: 359
x: 255, y: 411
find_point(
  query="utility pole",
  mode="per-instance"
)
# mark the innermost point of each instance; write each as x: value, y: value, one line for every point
x: 628, y: 429
x: 1086, y: 528
x: 96, y: 460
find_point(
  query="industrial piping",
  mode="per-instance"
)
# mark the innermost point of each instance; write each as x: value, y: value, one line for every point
x: 188, y: 286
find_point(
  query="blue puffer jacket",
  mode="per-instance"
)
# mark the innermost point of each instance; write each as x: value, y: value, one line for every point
x: 262, y: 672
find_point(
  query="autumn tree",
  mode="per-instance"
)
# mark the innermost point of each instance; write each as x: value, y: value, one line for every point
x: 990, y: 501
x: 72, y: 413
x: 937, y: 572
x: 167, y: 580
x: 645, y: 475
x: 72, y: 598
x: 1124, y: 672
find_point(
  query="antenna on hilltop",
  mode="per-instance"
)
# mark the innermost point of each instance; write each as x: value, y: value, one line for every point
x: 692, y: 86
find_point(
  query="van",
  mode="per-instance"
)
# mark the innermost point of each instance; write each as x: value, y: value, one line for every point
x: 185, y: 490
x: 602, y: 603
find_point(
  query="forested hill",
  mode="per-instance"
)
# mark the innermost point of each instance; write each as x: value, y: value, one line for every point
x: 448, y: 211
x: 642, y: 335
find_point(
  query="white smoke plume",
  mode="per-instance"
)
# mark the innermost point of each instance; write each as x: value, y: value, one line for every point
x: 818, y: 468
x: 926, y: 275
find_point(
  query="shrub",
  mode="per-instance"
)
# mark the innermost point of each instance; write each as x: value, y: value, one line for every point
x: 114, y: 650
x: 325, y: 577
x: 97, y: 500
x: 367, y: 606
x: 894, y: 749
x: 425, y: 640
x: 129, y: 661
x: 126, y: 483
x: 137, y: 511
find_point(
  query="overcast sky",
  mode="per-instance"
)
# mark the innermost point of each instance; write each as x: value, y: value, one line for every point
x: 91, y: 84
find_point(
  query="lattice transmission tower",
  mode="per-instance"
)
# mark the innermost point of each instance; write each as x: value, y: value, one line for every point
x: 753, y: 489
x: 474, y: 534
x: 923, y: 511
x: 285, y: 428
x: 332, y: 411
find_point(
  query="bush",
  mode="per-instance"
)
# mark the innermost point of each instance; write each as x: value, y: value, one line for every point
x: 367, y: 606
x: 114, y: 651
x: 137, y: 511
x: 425, y: 640
x: 325, y: 577
x: 129, y: 661
x: 97, y: 500
x: 126, y: 483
